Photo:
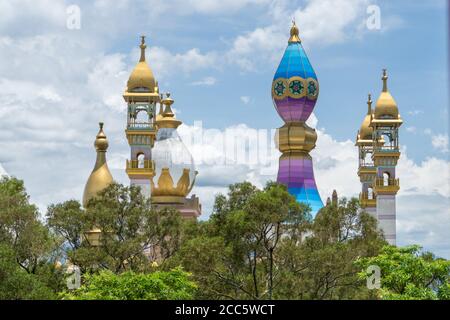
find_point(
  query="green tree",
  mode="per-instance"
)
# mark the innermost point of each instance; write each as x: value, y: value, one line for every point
x: 321, y: 266
x: 234, y: 254
x: 159, y: 285
x: 262, y: 244
x: 409, y: 274
x: 29, y: 251
x: 132, y: 232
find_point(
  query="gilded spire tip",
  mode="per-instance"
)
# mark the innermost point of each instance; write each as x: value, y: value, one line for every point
x: 142, y: 46
x: 369, y: 103
x: 384, y: 78
x: 100, y: 124
x: 294, y: 33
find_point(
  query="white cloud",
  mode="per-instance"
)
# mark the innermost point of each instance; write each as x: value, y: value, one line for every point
x: 207, y: 81
x: 423, y: 199
x: 440, y: 142
x: 411, y: 129
x: 245, y: 99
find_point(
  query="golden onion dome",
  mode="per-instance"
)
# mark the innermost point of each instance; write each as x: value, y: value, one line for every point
x: 141, y: 78
x: 365, y: 132
x: 100, y: 177
x: 386, y: 107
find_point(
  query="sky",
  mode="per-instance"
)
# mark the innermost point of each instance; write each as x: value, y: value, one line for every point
x: 60, y: 76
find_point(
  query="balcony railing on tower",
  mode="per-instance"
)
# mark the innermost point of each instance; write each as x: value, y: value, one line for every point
x: 141, y: 164
x: 387, y: 185
x: 366, y: 201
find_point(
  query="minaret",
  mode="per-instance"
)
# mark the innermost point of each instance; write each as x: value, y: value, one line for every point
x: 385, y: 122
x: 141, y: 96
x: 366, y: 168
x: 295, y: 89
x: 99, y: 179
x: 174, y: 166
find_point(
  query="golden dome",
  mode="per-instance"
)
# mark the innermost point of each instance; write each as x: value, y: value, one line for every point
x: 100, y: 177
x: 141, y: 78
x: 294, y: 34
x: 386, y: 107
x: 365, y: 132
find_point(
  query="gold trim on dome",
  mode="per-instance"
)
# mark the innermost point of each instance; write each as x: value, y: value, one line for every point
x: 287, y: 92
x: 166, y: 187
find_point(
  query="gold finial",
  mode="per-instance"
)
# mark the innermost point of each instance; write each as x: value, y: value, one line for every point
x: 101, y: 143
x: 167, y: 119
x: 142, y: 46
x: 168, y: 102
x: 384, y: 78
x: 369, y: 103
x: 294, y: 33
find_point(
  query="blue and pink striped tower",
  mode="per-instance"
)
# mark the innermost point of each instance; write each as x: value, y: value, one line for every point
x: 294, y: 92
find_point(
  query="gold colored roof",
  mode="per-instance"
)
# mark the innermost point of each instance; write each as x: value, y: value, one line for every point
x: 386, y: 107
x: 141, y: 77
x: 365, y: 132
x: 294, y: 34
x: 100, y: 177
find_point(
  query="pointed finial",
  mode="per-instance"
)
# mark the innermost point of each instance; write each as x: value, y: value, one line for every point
x: 142, y: 46
x: 384, y: 78
x: 167, y: 102
x: 101, y: 142
x: 294, y: 33
x: 369, y: 103
x: 334, y: 198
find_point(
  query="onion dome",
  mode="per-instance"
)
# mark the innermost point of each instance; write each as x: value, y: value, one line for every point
x: 365, y: 132
x: 386, y: 107
x: 174, y: 166
x: 100, y: 177
x: 295, y: 87
x: 141, y: 84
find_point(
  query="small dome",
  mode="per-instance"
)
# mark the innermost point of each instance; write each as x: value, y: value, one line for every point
x: 386, y: 107
x: 295, y: 87
x: 100, y: 177
x: 141, y: 78
x: 365, y: 132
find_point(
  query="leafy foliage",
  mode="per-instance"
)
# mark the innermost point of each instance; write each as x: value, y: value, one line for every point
x: 261, y: 244
x: 407, y: 273
x: 27, y: 248
x: 131, y: 230
x: 159, y: 285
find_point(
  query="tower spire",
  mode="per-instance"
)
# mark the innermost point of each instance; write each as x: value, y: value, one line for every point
x: 294, y: 33
x: 142, y: 46
x: 369, y: 104
x: 384, y: 78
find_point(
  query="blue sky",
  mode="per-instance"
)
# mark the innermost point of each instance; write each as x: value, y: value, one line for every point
x: 218, y: 58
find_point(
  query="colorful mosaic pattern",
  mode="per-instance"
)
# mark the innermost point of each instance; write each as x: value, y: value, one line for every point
x: 295, y: 70
x: 296, y: 172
